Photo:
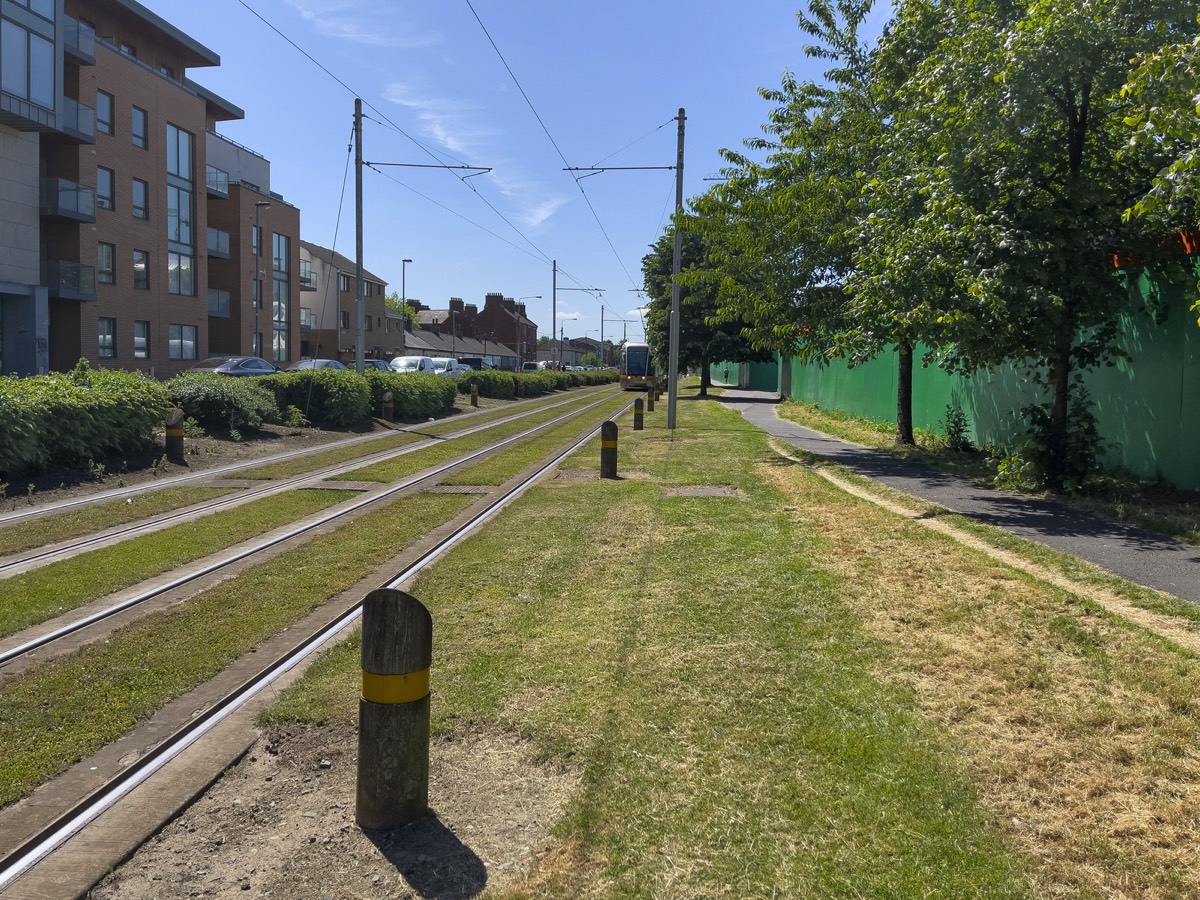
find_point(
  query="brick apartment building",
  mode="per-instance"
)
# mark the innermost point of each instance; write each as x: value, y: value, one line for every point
x: 328, y: 316
x: 502, y: 321
x: 127, y: 224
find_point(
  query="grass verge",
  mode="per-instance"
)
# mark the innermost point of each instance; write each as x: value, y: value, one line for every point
x: 68, y: 708
x: 54, y: 527
x: 48, y: 591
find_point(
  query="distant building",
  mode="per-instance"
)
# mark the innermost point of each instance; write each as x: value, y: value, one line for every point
x: 328, y: 310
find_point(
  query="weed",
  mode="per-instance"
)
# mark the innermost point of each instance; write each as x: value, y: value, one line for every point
x: 193, y: 429
x: 235, y: 435
x: 294, y: 418
x: 958, y: 428
x: 95, y: 470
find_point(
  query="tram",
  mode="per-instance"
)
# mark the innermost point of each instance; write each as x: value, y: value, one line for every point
x: 637, y: 368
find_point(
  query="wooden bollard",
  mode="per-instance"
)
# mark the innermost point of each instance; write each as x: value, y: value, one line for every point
x: 650, y: 400
x: 474, y: 395
x: 393, y: 713
x: 608, y: 450
x: 638, y: 415
x: 174, y: 426
x: 389, y: 407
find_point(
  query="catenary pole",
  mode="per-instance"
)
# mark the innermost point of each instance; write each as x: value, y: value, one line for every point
x: 359, y: 315
x: 673, y: 365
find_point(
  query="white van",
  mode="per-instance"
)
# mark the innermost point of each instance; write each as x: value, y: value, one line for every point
x: 412, y: 365
x: 451, y: 368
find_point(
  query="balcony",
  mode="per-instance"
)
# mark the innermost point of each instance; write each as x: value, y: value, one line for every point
x: 217, y: 182
x: 218, y: 304
x: 63, y: 199
x: 69, y: 280
x: 77, y: 120
x: 218, y: 243
x: 80, y: 42
x: 308, y: 281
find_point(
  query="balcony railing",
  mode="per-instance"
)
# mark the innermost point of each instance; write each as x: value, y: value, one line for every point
x: 218, y: 303
x: 80, y: 41
x: 69, y: 280
x: 67, y: 200
x: 217, y: 182
x: 78, y: 120
x: 308, y: 281
x: 218, y: 243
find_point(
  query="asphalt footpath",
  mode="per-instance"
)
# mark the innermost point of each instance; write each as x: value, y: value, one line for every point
x: 1132, y: 554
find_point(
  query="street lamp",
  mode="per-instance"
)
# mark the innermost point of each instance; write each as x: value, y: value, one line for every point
x: 256, y: 341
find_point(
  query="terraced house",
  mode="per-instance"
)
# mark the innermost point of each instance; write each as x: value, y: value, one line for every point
x: 132, y: 233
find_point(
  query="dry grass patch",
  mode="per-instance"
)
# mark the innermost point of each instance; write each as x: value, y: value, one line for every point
x: 1079, y: 728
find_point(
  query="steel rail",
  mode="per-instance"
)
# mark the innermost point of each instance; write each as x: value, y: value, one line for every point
x: 219, y: 471
x: 68, y: 823
x: 90, y: 619
x: 24, y: 563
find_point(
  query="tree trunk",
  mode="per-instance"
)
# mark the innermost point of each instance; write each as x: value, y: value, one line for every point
x: 1060, y: 383
x: 904, y: 422
x: 705, y: 377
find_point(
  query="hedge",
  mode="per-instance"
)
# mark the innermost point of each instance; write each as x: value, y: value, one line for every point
x: 73, y: 417
x: 326, y: 397
x: 413, y: 396
x: 224, y: 402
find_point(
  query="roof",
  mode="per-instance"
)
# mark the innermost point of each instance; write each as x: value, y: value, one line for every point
x: 193, y: 52
x: 337, y: 261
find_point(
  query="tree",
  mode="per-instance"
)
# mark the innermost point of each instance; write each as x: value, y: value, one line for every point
x: 703, y: 339
x: 406, y: 308
x: 1012, y: 135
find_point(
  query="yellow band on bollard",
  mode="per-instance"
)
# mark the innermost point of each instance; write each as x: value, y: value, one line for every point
x: 608, y: 445
x: 395, y: 688
x: 174, y: 432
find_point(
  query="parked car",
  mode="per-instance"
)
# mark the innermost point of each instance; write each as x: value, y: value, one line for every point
x: 236, y: 365
x: 381, y: 364
x: 451, y: 368
x: 412, y: 365
x: 316, y: 364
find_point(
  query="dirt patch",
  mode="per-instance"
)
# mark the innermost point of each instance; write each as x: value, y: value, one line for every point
x: 281, y: 825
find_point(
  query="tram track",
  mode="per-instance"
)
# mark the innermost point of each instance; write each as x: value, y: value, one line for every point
x: 18, y: 563
x: 25, y: 855
x: 11, y: 653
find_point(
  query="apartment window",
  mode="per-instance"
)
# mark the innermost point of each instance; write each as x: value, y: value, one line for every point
x: 104, y: 187
x: 128, y: 49
x: 308, y: 318
x: 279, y: 253
x: 181, y: 341
x: 179, y: 153
x: 106, y: 263
x: 141, y: 340
x: 345, y: 320
x: 104, y: 112
x: 137, y: 128
x: 44, y: 8
x: 255, y: 241
x: 141, y: 270
x: 179, y: 216
x: 27, y: 64
x: 343, y: 283
x: 256, y: 294
x: 168, y: 71
x: 108, y: 328
x: 139, y: 193
x: 181, y: 278
x: 279, y: 302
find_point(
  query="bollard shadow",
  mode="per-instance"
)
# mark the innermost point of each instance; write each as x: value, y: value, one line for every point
x: 435, y: 863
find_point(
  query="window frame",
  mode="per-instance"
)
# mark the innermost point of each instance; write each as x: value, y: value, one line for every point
x: 106, y: 125
x: 177, y: 341
x: 106, y: 269
x: 139, y: 138
x: 105, y: 198
x: 106, y: 337
x: 143, y: 326
x: 142, y: 210
x: 144, y: 269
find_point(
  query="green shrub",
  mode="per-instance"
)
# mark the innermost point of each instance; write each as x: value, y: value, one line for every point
x: 69, y: 418
x: 331, y: 398
x: 224, y: 403
x: 494, y: 383
x: 413, y: 396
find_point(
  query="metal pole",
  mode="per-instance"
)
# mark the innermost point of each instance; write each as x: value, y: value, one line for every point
x: 673, y: 364
x: 554, y: 309
x: 404, y: 305
x: 359, y: 313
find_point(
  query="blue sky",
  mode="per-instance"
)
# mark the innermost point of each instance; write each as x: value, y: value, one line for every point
x: 606, y: 81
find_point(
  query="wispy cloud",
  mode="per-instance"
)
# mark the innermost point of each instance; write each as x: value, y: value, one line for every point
x: 640, y: 311
x: 360, y: 22
x: 455, y: 127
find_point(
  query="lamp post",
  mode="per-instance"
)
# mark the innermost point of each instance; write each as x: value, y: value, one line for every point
x: 256, y: 340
